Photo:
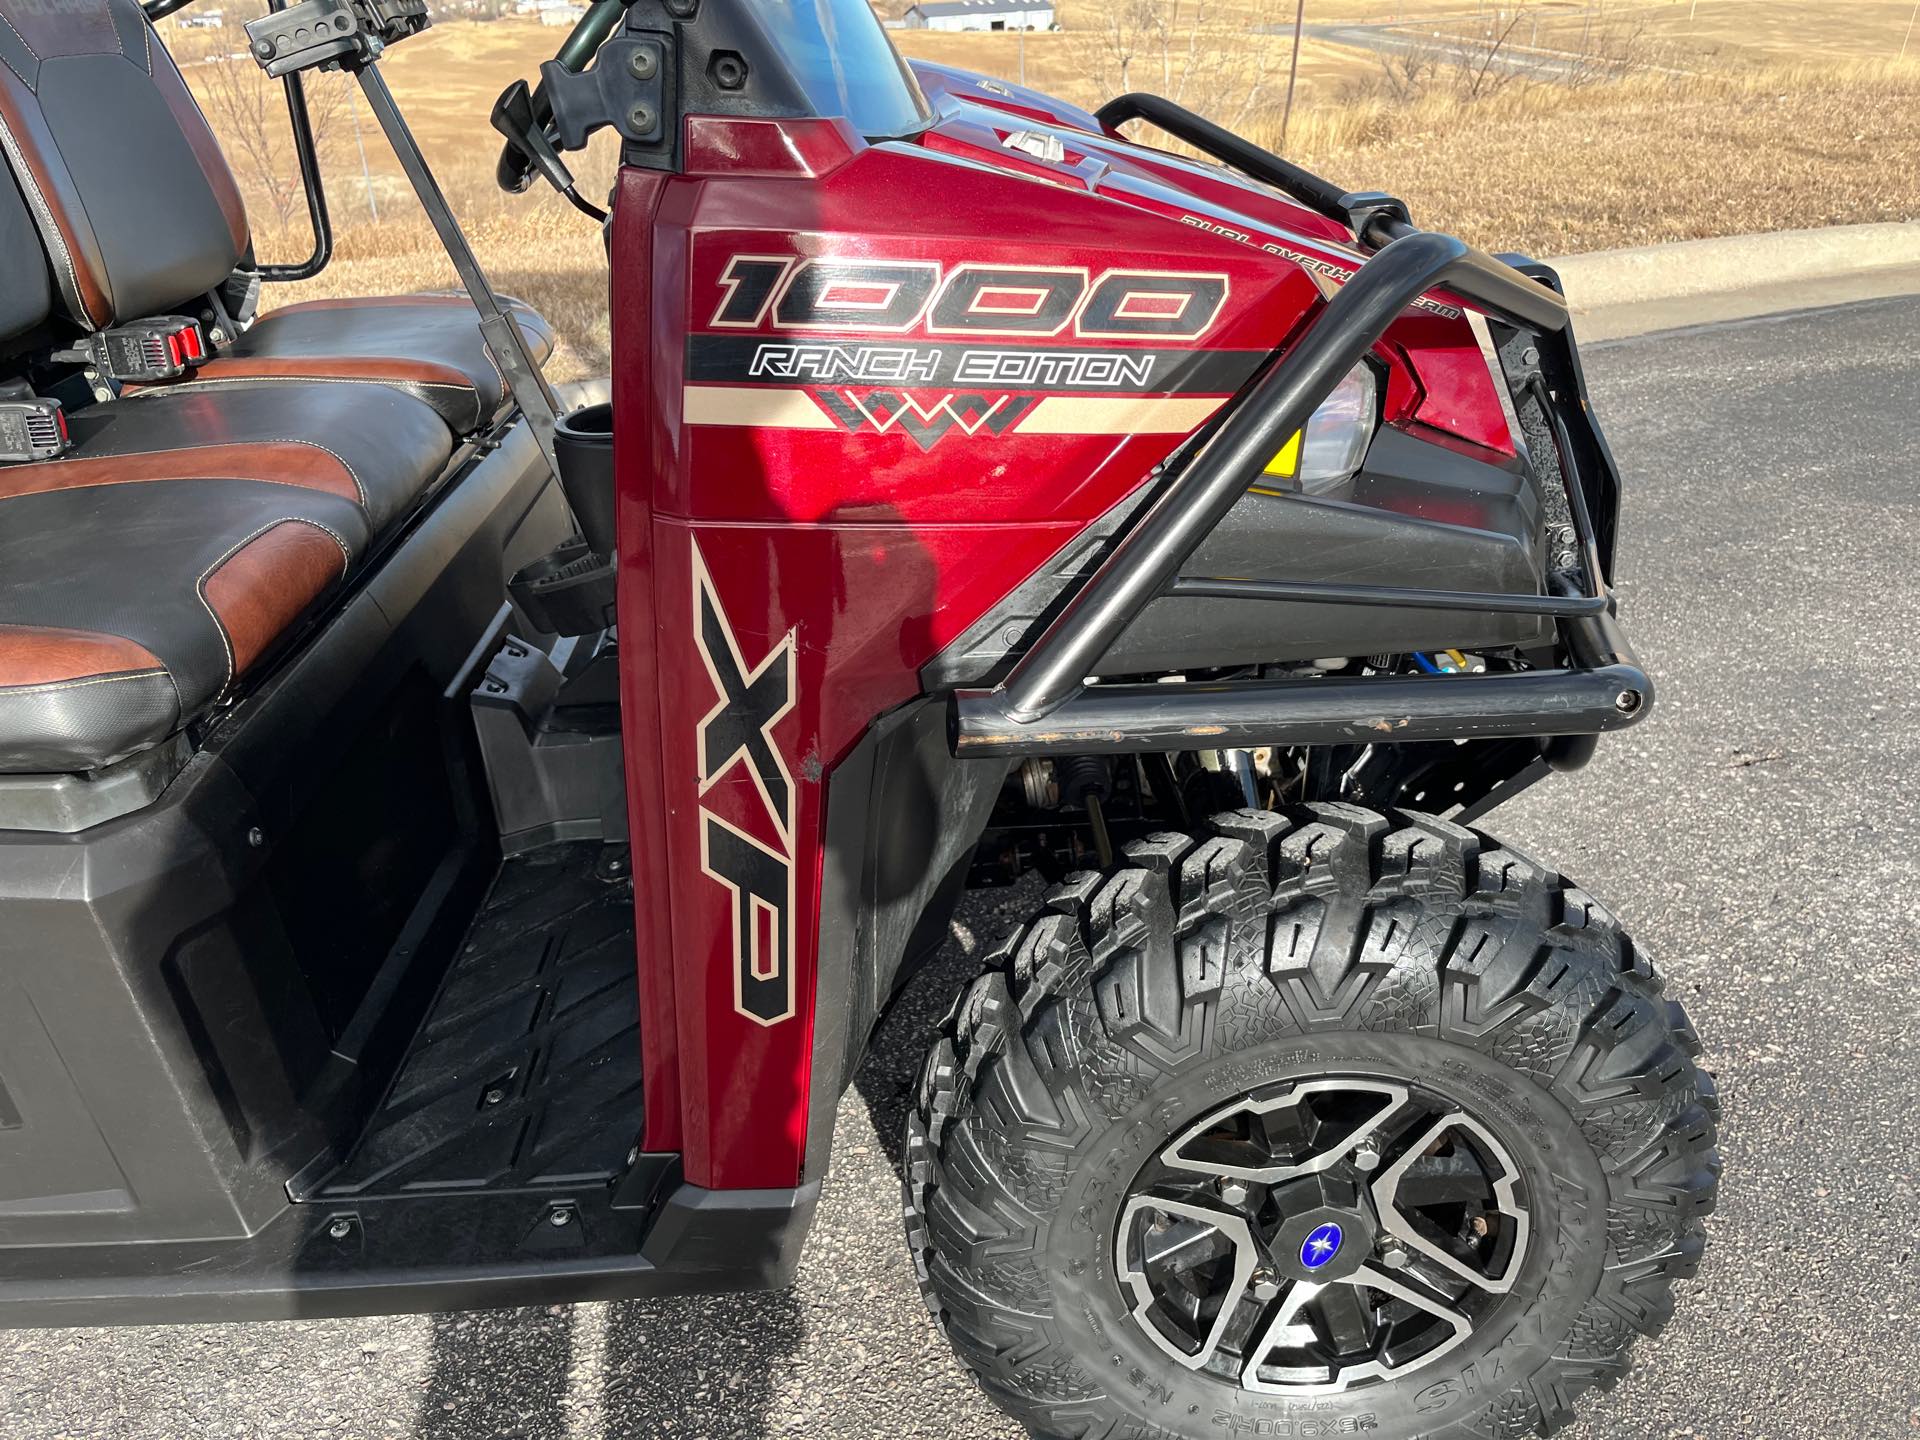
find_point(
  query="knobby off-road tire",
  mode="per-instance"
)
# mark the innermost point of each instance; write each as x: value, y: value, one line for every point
x: 1277, y: 948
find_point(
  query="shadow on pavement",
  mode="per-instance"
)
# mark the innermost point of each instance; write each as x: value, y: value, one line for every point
x: 498, y: 1373
x: 704, y: 1365
x: 699, y: 1365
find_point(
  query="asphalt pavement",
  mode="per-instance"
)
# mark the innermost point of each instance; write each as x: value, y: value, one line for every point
x: 1758, y: 833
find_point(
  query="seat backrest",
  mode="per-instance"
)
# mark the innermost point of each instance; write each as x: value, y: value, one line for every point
x: 26, y: 299
x: 124, y: 181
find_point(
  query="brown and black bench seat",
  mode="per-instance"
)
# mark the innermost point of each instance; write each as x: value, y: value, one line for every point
x: 379, y: 448
x: 181, y: 542
x: 194, y: 527
x: 426, y: 345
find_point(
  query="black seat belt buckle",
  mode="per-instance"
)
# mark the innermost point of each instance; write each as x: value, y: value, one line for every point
x: 147, y: 350
x: 32, y: 430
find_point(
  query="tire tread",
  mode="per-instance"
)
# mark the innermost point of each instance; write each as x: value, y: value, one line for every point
x: 1320, y: 917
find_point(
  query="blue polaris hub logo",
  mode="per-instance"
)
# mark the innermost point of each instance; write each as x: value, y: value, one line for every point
x: 1321, y: 1246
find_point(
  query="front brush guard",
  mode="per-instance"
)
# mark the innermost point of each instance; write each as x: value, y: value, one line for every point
x: 1044, y: 707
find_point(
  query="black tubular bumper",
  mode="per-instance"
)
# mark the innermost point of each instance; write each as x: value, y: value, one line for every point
x: 1388, y: 709
x: 1044, y: 705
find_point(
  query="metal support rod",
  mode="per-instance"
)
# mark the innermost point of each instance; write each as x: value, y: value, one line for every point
x: 1394, y: 710
x: 497, y: 325
x: 1479, y: 277
x: 1596, y: 641
x: 1293, y: 68
x: 1149, y: 556
x: 1488, y: 602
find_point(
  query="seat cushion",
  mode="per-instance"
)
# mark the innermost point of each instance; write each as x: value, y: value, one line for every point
x: 375, y: 447
x: 427, y: 345
x: 179, y: 546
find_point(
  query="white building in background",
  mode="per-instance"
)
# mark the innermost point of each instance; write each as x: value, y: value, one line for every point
x: 552, y: 12
x: 981, y: 15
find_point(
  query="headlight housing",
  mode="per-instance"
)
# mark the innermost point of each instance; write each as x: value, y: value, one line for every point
x: 1328, y: 450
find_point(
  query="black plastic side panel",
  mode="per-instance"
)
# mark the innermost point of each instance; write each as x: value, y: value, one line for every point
x: 375, y: 1258
x: 154, y: 1066
x: 1419, y: 515
x: 903, y: 817
x: 180, y: 1042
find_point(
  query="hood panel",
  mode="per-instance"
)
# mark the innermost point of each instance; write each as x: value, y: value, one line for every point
x: 1444, y: 376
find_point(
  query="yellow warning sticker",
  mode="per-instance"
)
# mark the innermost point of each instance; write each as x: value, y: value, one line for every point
x: 1287, y: 463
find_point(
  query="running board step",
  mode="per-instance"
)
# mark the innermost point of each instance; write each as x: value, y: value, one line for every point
x: 525, y: 1074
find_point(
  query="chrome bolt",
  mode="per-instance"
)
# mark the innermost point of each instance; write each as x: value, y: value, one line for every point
x: 1627, y: 701
x: 256, y: 837
x: 495, y: 1096
x: 340, y: 1229
x: 560, y: 1219
x: 1394, y: 1255
x: 1266, y: 1284
x: 1366, y: 1154
x: 1235, y: 1192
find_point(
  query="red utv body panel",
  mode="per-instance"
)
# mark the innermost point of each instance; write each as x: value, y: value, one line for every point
x: 787, y: 320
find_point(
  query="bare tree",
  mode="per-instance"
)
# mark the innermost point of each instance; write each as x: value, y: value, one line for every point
x: 1484, y: 54
x: 1195, y: 52
x: 249, y: 114
x: 1484, y: 62
x: 1614, y: 45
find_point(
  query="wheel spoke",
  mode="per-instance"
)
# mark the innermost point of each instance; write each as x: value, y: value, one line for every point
x: 1285, y: 1316
x: 1437, y: 1180
x: 1209, y: 1225
x: 1343, y: 1298
x: 1349, y: 1324
x: 1240, y: 1143
x: 1388, y: 1201
x: 1182, y: 1244
x: 1375, y: 1278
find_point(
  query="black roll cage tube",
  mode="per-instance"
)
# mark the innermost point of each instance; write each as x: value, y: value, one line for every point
x: 1044, y: 706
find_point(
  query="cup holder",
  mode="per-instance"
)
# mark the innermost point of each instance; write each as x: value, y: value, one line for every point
x: 583, y: 446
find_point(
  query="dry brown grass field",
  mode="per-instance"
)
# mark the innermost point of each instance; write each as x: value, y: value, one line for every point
x: 1748, y: 115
